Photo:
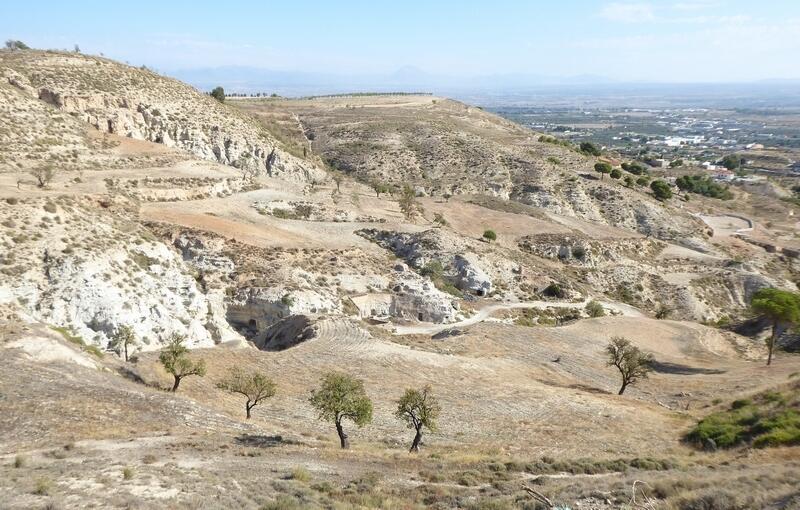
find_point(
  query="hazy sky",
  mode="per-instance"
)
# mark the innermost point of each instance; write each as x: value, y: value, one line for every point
x: 680, y: 40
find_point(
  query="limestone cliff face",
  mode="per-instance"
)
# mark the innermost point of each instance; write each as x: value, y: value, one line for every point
x: 90, y: 271
x: 140, y: 104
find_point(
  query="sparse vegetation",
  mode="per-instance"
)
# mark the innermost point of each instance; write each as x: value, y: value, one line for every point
x: 489, y: 235
x: 703, y: 185
x: 770, y: 418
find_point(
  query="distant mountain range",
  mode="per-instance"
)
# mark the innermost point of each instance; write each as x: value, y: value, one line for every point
x: 252, y: 79
x: 499, y: 89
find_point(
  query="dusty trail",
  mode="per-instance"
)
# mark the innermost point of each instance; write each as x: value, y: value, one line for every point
x: 486, y: 312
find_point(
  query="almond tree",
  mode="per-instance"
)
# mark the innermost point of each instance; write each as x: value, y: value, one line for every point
x: 342, y: 396
x: 123, y: 337
x: 175, y: 358
x: 254, y: 387
x: 632, y: 363
x: 418, y: 409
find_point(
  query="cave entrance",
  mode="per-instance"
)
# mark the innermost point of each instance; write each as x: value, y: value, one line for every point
x: 419, y: 316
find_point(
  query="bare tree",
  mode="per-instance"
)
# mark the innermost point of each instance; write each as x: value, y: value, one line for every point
x: 338, y: 178
x: 176, y: 361
x: 418, y: 409
x: 254, y: 387
x: 632, y: 363
x: 43, y: 174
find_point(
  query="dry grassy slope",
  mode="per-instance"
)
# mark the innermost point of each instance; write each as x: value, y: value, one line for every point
x: 503, y: 399
x: 142, y: 104
x: 445, y: 146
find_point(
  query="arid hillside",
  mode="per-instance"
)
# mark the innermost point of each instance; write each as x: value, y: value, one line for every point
x: 135, y: 211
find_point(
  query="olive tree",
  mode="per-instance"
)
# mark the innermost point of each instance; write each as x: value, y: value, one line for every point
x: 342, y: 396
x: 418, y: 409
x: 781, y: 308
x: 122, y: 338
x: 176, y: 361
x: 253, y: 386
x: 632, y: 363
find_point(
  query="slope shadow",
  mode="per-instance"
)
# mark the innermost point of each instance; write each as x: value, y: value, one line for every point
x: 263, y: 441
x: 663, y: 367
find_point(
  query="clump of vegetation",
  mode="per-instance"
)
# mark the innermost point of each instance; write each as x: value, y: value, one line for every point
x: 342, y: 396
x: 555, y: 141
x: 554, y: 290
x: 490, y: 235
x: 661, y: 190
x: 632, y: 363
x: 300, y: 474
x: 770, y: 418
x: 77, y: 340
x: 42, y: 487
x: 219, y: 94
x: 175, y: 359
x: 16, y: 45
x: 378, y: 188
x: 590, y: 149
x: 127, y: 473
x: 634, y: 168
x: 254, y: 387
x: 703, y: 185
x: 595, y: 309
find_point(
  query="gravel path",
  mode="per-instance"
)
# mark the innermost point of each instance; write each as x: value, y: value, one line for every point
x: 486, y: 312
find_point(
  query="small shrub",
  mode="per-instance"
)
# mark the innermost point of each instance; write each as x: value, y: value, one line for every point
x: 595, y: 309
x: 43, y: 487
x: 490, y: 235
x: 127, y: 473
x: 300, y: 474
x: 19, y: 461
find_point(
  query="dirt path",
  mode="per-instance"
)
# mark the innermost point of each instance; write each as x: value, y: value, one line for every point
x: 486, y: 312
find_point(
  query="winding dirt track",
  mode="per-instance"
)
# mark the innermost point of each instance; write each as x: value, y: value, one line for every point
x: 486, y: 312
